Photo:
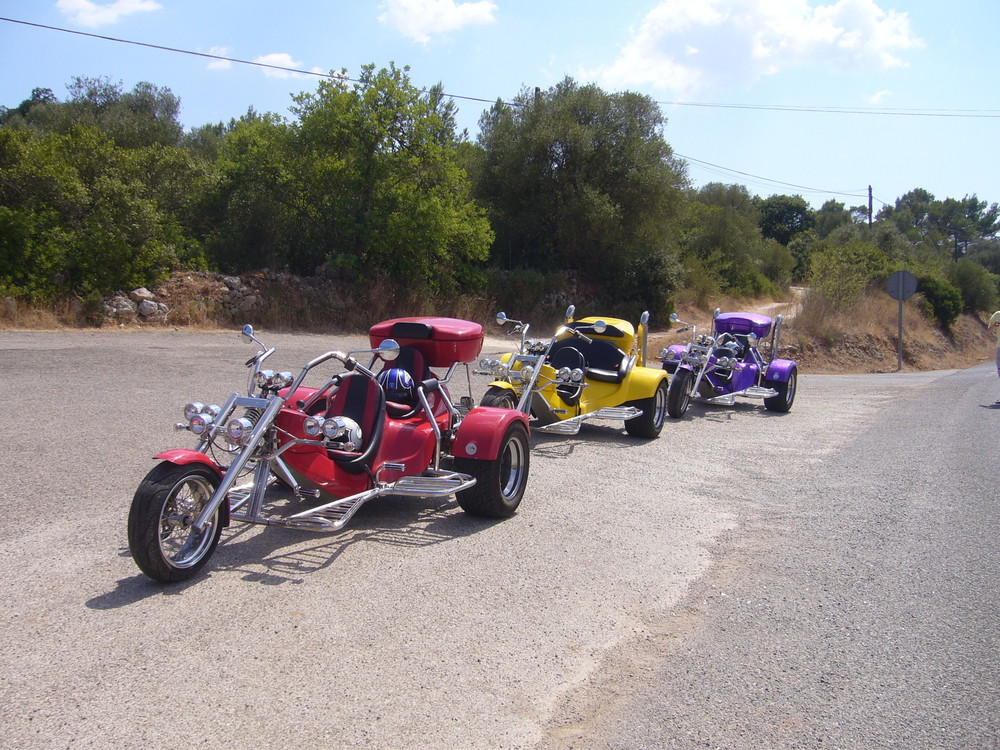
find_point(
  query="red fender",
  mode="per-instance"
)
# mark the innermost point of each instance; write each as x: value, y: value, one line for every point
x: 185, y: 456
x: 481, y: 431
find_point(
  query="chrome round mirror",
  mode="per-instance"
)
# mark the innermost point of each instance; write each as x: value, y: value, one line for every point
x: 752, y: 339
x: 247, y: 332
x: 501, y: 318
x: 644, y: 318
x: 388, y: 350
x: 717, y: 313
x: 673, y: 317
x: 570, y: 311
x: 600, y: 326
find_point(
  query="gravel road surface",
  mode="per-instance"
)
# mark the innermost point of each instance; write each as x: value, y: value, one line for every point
x: 825, y: 578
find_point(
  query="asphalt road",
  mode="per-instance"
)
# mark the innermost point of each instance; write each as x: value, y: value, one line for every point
x: 825, y: 578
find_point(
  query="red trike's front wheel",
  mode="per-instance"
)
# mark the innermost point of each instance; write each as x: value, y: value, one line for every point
x: 161, y: 535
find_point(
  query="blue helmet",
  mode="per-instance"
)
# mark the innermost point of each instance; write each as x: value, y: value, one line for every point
x: 397, y: 384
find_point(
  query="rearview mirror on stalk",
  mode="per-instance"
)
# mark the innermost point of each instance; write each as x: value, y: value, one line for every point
x: 388, y: 350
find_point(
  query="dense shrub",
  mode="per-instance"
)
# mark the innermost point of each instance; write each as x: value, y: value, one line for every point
x: 840, y: 273
x: 977, y: 285
x: 942, y: 301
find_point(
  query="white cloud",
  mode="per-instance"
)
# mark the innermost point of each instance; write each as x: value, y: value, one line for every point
x: 421, y: 19
x: 219, y: 64
x: 91, y: 14
x: 687, y: 45
x: 282, y: 60
x: 878, y: 97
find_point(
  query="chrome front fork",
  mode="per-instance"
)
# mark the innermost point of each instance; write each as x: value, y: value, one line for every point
x: 236, y: 468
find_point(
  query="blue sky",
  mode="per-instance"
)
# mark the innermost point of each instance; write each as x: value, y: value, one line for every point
x: 793, y: 74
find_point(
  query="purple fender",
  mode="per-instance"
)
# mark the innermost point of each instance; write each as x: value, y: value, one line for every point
x: 678, y: 351
x: 481, y: 431
x: 779, y: 370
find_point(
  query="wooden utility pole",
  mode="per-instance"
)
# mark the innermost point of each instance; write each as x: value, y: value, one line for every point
x: 869, y: 206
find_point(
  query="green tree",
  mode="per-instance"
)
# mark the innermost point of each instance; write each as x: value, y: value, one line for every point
x: 839, y: 274
x: 830, y: 216
x: 723, y: 252
x: 76, y: 218
x: 784, y: 216
x: 581, y: 180
x: 366, y: 182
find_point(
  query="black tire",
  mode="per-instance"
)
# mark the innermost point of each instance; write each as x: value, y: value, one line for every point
x: 654, y: 414
x: 786, y: 392
x: 679, y: 397
x: 160, y: 536
x: 502, y: 398
x: 499, y: 483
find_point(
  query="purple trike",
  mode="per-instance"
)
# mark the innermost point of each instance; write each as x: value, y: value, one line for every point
x: 728, y: 363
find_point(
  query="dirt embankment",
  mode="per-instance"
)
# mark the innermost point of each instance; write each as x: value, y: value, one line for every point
x: 862, y: 341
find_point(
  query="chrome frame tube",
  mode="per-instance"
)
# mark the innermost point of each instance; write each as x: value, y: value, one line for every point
x: 235, y: 469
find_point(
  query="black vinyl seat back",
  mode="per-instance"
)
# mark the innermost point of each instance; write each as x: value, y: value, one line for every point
x: 362, y: 399
x: 571, y: 357
x: 605, y: 362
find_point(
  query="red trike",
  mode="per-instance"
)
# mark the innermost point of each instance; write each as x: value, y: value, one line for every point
x: 385, y: 428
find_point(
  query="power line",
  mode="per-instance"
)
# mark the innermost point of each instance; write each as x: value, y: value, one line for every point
x: 703, y: 164
x: 222, y: 58
x: 727, y: 170
x: 959, y: 113
x: 954, y: 113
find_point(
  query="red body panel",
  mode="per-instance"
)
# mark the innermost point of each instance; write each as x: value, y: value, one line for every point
x: 482, y: 430
x: 404, y: 441
x: 442, y: 341
x: 184, y: 456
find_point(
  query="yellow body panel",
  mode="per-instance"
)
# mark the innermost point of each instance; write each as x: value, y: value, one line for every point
x: 639, y: 383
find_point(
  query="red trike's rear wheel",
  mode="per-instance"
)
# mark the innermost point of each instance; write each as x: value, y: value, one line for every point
x: 500, y: 483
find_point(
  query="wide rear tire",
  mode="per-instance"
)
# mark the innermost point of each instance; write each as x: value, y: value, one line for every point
x: 786, y: 392
x: 500, y: 483
x: 161, y: 536
x: 654, y: 414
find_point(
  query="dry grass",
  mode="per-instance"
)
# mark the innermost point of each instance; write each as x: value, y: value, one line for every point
x: 18, y: 314
x: 862, y: 339
x: 820, y: 338
x: 865, y: 337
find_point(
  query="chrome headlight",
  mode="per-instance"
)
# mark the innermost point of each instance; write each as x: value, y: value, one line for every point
x: 282, y: 380
x: 263, y: 378
x: 563, y: 374
x: 195, y: 407
x: 333, y: 427
x: 312, y: 426
x: 200, y: 423
x: 493, y: 366
x: 526, y: 373
x: 576, y: 375
x: 238, y: 430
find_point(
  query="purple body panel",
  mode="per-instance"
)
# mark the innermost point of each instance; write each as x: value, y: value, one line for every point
x: 737, y: 322
x: 743, y: 378
x: 779, y: 370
